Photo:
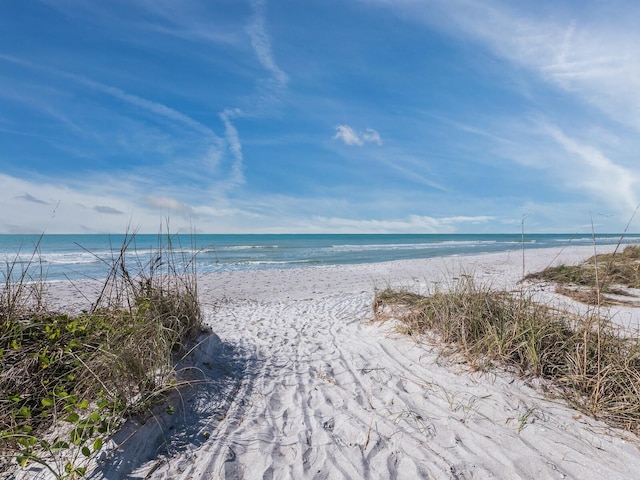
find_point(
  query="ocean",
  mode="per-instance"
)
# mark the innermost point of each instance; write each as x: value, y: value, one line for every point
x: 89, y: 256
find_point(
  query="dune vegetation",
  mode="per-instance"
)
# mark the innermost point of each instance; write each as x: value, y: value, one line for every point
x: 605, y: 279
x: 69, y: 378
x: 584, y: 358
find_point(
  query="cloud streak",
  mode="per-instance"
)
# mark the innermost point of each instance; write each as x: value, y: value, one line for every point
x: 235, y: 147
x: 168, y: 204
x: 271, y: 93
x: 150, y: 106
x: 412, y: 224
x: 261, y: 43
x: 27, y: 197
x: 593, y: 55
x: 108, y: 210
x: 596, y: 173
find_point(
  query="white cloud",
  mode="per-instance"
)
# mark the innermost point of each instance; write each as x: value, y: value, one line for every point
x: 71, y: 210
x: 66, y: 209
x: 350, y: 137
x: 589, y: 169
x: 590, y: 57
x: 233, y: 141
x: 277, y: 82
x: 592, y: 60
x: 30, y: 198
x: 347, y: 135
x: 107, y: 209
x: 412, y: 224
x: 168, y: 204
x: 155, y: 108
x: 97, y: 204
x: 590, y: 52
x: 261, y: 43
x: 370, y: 135
x: 271, y: 89
x: 466, y: 219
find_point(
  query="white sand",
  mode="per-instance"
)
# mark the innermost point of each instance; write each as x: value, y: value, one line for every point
x: 300, y: 384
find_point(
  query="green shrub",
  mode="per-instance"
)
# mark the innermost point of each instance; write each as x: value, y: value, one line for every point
x: 80, y: 374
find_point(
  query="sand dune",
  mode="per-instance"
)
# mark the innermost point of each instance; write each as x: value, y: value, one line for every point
x: 297, y: 382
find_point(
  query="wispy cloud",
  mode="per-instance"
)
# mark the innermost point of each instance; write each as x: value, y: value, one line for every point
x: 234, y: 145
x: 411, y: 224
x: 222, y: 155
x: 411, y: 167
x: 27, y: 213
x: 593, y: 171
x: 507, y: 107
x: 27, y: 197
x: 349, y: 136
x: 261, y: 43
x: 591, y: 53
x: 594, y: 61
x: 371, y: 136
x: 108, y: 210
x: 589, y: 57
x: 168, y: 205
x: 185, y: 20
x: 271, y: 92
x: 145, y: 125
x: 155, y: 108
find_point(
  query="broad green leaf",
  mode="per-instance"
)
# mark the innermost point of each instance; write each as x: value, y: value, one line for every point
x: 97, y: 444
x: 72, y: 417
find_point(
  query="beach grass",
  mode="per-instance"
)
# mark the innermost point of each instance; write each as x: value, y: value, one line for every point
x: 599, y: 280
x: 584, y: 358
x: 69, y: 378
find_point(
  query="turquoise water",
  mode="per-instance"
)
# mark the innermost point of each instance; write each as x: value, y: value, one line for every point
x: 88, y: 256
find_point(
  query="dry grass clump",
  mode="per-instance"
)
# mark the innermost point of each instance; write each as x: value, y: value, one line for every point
x: 82, y: 373
x: 598, y: 278
x: 590, y: 363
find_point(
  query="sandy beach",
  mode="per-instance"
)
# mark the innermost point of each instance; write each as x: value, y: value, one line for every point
x: 297, y: 381
x: 307, y: 239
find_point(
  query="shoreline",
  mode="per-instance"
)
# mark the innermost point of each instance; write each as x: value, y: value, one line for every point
x: 299, y: 383
x: 78, y: 257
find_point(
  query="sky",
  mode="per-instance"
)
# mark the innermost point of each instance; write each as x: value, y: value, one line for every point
x: 319, y: 116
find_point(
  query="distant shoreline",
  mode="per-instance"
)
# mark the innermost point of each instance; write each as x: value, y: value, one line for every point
x: 87, y: 256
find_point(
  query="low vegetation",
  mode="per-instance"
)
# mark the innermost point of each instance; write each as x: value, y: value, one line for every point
x: 600, y: 280
x: 67, y: 379
x: 589, y: 362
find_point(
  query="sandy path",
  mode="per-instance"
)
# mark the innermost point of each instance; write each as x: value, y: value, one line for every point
x: 303, y: 385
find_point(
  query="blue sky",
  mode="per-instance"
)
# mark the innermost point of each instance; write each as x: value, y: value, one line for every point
x: 312, y: 116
